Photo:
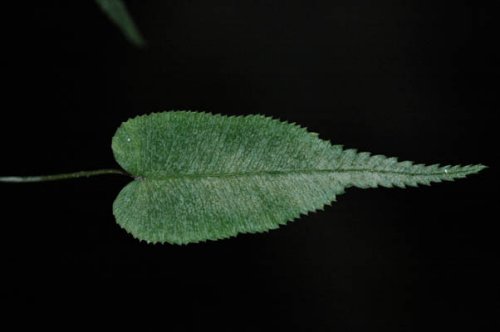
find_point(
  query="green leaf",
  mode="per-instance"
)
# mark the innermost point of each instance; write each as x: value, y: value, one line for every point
x: 202, y: 177
x: 118, y: 13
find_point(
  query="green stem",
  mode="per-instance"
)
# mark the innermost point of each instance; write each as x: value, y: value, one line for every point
x: 57, y: 177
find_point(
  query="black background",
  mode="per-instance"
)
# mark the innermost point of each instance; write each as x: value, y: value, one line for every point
x: 413, y: 79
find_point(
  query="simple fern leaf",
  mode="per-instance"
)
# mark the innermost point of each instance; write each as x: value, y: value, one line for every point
x: 202, y: 177
x: 118, y: 13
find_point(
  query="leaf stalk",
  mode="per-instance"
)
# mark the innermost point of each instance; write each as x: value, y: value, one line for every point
x: 58, y: 177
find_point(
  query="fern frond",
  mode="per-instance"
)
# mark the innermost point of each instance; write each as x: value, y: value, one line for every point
x: 203, y: 177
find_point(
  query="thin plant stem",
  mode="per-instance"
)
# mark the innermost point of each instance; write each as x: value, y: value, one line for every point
x: 64, y: 176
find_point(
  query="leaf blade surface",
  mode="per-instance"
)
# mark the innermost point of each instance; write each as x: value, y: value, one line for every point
x: 202, y: 177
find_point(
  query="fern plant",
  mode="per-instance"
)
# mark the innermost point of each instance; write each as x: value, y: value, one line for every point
x: 199, y: 176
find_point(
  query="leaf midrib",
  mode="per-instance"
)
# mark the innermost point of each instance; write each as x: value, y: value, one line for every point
x: 304, y: 171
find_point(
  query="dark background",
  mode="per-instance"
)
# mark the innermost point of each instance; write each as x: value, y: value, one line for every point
x: 413, y: 79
